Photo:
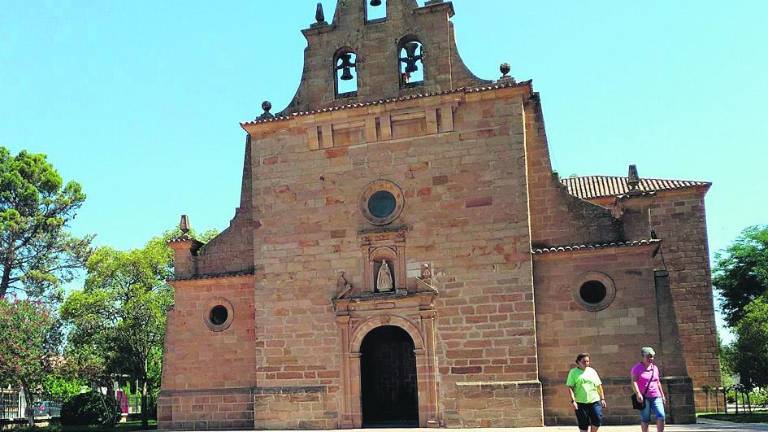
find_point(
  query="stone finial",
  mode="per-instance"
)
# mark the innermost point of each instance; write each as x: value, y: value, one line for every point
x: 184, y: 224
x: 266, y: 106
x: 633, y: 179
x: 505, y: 68
x: 319, y: 13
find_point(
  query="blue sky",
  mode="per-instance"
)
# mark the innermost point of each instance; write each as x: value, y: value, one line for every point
x: 140, y: 101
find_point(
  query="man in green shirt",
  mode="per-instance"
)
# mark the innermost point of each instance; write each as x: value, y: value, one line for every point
x: 587, y: 396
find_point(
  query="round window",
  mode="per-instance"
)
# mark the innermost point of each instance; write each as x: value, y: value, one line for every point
x: 593, y: 292
x: 219, y: 315
x: 382, y: 204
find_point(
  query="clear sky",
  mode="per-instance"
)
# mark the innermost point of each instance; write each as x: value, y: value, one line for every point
x: 140, y: 101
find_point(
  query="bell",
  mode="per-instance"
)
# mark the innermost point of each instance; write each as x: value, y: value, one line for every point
x: 346, y: 74
x: 410, y: 57
x: 346, y: 66
x: 375, y: 3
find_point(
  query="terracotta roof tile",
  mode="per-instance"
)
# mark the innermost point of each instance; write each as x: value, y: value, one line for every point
x: 215, y: 276
x: 593, y: 246
x: 589, y: 187
x: 497, y: 85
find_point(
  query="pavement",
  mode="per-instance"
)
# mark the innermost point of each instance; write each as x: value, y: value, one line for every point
x: 704, y: 426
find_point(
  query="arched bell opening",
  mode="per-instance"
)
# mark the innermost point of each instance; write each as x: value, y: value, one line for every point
x: 411, y: 60
x: 345, y: 73
x: 388, y: 379
x: 375, y: 10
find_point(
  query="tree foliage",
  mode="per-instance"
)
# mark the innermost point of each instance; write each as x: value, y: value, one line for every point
x: 750, y: 351
x: 90, y: 408
x: 37, y: 252
x: 62, y: 388
x: 741, y: 272
x: 26, y: 348
x: 118, y: 319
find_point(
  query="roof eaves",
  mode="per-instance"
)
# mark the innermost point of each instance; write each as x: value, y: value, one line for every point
x: 594, y: 246
x: 278, y: 118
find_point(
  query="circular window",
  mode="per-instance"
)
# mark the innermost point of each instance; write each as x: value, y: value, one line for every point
x: 594, y: 291
x: 218, y: 314
x: 381, y: 202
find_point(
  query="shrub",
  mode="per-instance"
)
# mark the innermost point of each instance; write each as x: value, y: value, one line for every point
x: 90, y: 408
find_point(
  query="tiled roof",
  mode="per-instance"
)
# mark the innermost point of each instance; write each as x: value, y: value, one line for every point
x: 584, y: 247
x: 216, y: 276
x: 497, y: 85
x: 602, y: 186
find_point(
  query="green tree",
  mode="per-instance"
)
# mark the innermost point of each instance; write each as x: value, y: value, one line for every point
x: 741, y: 272
x: 750, y: 351
x: 61, y: 388
x: 26, y: 347
x: 118, y: 319
x: 37, y: 252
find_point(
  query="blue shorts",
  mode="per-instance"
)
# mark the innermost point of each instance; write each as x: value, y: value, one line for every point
x: 657, y: 405
x: 589, y: 414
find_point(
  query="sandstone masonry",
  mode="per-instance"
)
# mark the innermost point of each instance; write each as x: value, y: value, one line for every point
x: 403, y: 254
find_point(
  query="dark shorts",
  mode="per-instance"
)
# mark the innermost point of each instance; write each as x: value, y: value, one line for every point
x: 589, y: 414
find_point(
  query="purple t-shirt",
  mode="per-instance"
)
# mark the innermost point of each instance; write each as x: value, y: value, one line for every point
x: 643, y: 375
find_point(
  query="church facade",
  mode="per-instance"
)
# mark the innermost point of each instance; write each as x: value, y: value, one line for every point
x: 404, y: 255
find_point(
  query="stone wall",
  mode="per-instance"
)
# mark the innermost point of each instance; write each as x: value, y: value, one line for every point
x: 206, y: 409
x: 293, y: 408
x: 613, y: 336
x: 465, y: 212
x: 498, y: 405
x: 207, y: 375
x: 558, y: 218
x: 679, y: 219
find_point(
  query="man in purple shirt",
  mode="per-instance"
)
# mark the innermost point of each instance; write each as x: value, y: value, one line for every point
x: 646, y: 383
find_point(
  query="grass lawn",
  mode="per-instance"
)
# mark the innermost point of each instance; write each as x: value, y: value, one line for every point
x: 133, y: 425
x: 761, y: 417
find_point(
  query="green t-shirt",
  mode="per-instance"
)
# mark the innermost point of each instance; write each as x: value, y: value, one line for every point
x: 584, y: 384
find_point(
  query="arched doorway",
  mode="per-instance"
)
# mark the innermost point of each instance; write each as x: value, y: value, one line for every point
x: 389, y: 387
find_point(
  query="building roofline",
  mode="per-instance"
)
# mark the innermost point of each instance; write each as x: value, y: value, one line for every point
x: 596, y: 186
x: 595, y: 246
x: 477, y: 89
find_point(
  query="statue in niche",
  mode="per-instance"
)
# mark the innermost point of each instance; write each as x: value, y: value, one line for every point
x: 384, y: 278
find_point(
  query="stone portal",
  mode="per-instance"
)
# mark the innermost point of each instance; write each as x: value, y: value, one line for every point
x: 388, y: 379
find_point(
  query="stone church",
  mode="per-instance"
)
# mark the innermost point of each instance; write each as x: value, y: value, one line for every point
x: 404, y: 255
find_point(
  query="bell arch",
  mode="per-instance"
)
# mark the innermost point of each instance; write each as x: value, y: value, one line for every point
x: 375, y: 10
x: 411, y: 69
x: 345, y: 72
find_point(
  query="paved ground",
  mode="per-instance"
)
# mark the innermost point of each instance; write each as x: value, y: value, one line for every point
x: 710, y: 426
